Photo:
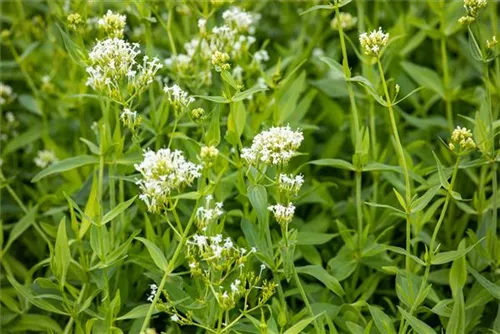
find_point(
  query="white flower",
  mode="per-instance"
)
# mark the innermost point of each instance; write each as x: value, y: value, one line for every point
x: 202, y: 23
x: 283, y: 214
x: 178, y: 97
x: 6, y: 94
x: 290, y: 184
x: 240, y: 19
x: 208, y: 214
x: 235, y: 286
x: 261, y: 56
x: 45, y: 158
x: 373, y: 42
x: 174, y: 318
x: 275, y: 146
x: 228, y: 244
x: 462, y: 137
x: 154, y: 290
x: 163, y: 172
x: 113, y: 65
x: 130, y: 118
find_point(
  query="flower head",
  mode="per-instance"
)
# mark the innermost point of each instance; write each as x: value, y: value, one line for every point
x: 130, y: 119
x: 163, y: 172
x: 373, y: 42
x: 112, y: 24
x: 283, y: 214
x: 178, y: 97
x: 346, y: 20
x: 45, y: 158
x: 290, y: 184
x: 6, y: 94
x: 473, y: 7
x: 275, y: 146
x: 463, y: 138
x: 208, y: 213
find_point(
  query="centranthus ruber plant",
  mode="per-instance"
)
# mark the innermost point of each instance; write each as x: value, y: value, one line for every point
x: 226, y: 166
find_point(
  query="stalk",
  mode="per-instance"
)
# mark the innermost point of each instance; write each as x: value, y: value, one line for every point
x: 446, y: 74
x: 357, y: 134
x: 403, y: 163
x: 167, y: 273
x: 431, y: 245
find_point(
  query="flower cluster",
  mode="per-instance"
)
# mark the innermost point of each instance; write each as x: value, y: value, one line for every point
x: 463, y: 138
x: 373, y: 42
x: 45, y: 158
x: 113, y: 63
x: 163, y: 172
x: 473, y: 8
x: 9, y: 126
x: 290, y: 184
x: 275, y: 146
x: 214, y: 47
x: 7, y: 95
x: 112, y: 24
x: 177, y: 97
x: 208, y: 154
x: 283, y: 214
x: 75, y: 21
x: 207, y: 214
x: 491, y: 44
x: 346, y: 20
x: 130, y: 119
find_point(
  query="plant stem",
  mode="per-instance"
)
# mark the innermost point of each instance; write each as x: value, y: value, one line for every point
x: 431, y: 245
x: 357, y: 134
x: 167, y: 273
x: 403, y: 163
x: 446, y: 74
x: 306, y: 301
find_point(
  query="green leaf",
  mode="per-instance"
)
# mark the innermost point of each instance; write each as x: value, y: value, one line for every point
x: 442, y: 176
x: 317, y: 7
x: 22, y: 225
x: 323, y: 276
x: 382, y: 321
x: 22, y: 140
x: 35, y: 323
x: 137, y: 312
x: 369, y: 88
x: 385, y: 206
x: 402, y: 251
x: 65, y: 165
x: 227, y: 77
x: 456, y: 324
x: 458, y: 272
x: 243, y: 95
x: 424, y: 77
x: 30, y: 103
x: 212, y: 135
x: 156, y: 254
x: 446, y: 257
x: 75, y: 52
x: 338, y: 70
x: 117, y: 210
x: 258, y: 198
x: 288, y: 100
x: 216, y: 99
x: 419, y: 326
x: 237, y: 118
x: 62, y: 253
x: 400, y: 198
x: 493, y: 289
x: 314, y: 238
x: 299, y: 326
x: 421, y: 202
x: 336, y: 163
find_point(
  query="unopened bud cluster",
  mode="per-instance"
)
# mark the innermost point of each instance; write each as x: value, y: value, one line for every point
x: 112, y: 24
x: 463, y: 138
x: 208, y: 155
x: 346, y: 20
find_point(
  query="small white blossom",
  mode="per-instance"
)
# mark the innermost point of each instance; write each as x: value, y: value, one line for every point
x: 6, y: 94
x: 208, y: 214
x: 241, y: 20
x: 462, y: 137
x: 45, y: 158
x: 347, y: 21
x: 174, y: 318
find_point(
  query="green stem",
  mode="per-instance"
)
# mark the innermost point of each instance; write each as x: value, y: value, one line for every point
x: 431, y: 245
x: 446, y: 74
x: 357, y: 134
x: 167, y: 273
x: 403, y: 163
